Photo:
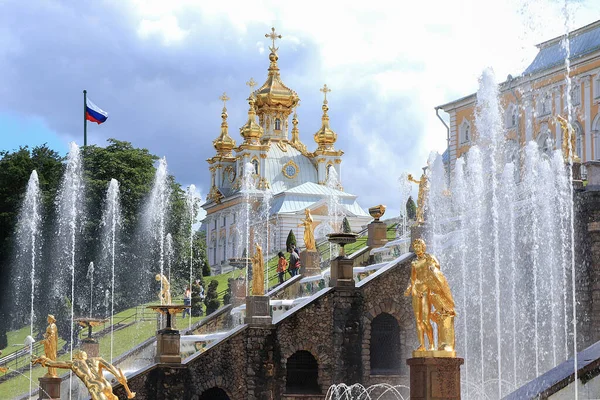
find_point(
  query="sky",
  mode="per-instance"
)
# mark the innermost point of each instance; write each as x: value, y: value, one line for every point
x: 158, y: 68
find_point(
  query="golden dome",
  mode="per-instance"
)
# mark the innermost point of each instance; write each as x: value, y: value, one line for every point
x: 224, y: 143
x: 251, y: 131
x: 273, y: 93
x: 325, y: 137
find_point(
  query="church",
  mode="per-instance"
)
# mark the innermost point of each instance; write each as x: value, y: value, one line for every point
x: 281, y: 164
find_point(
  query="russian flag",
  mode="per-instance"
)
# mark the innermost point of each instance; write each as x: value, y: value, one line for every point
x: 94, y: 113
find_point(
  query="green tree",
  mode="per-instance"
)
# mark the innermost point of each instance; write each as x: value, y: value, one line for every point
x: 290, y: 242
x: 212, y: 299
x: 411, y: 208
x: 346, y: 226
x: 228, y: 294
x: 197, y: 298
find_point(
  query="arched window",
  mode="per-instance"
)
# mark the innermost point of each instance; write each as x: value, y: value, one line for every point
x: 465, y: 132
x: 576, y: 95
x: 302, y: 374
x: 255, y: 165
x: 327, y: 171
x: 214, y: 394
x: 385, y: 345
x: 544, y: 140
x: 545, y: 105
x: 277, y: 124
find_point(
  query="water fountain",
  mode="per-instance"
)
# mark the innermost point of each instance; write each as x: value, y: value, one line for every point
x: 170, y: 253
x: 69, y: 206
x: 111, y: 224
x: 28, y: 231
x: 248, y: 189
x: 505, y: 274
x: 336, y: 213
x: 191, y: 200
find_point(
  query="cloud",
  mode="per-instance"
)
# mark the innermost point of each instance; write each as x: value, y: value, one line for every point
x: 159, y: 67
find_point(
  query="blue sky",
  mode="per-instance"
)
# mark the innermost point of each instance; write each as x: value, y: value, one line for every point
x: 159, y: 68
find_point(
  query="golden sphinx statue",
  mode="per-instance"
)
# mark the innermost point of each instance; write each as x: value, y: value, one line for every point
x: 89, y: 370
x: 422, y: 198
x: 429, y: 288
x: 569, y: 141
x: 309, y: 231
x: 258, y: 272
x: 165, y: 292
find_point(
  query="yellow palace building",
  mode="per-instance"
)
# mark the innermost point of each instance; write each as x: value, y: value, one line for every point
x: 532, y: 100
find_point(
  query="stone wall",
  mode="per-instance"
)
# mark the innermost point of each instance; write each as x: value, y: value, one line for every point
x: 333, y: 326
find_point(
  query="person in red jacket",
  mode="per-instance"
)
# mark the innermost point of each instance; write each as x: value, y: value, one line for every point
x: 281, y: 266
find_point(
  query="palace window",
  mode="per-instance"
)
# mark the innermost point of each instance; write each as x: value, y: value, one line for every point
x: 302, y: 374
x: 255, y: 165
x: 545, y: 106
x: 511, y: 116
x: 578, y: 140
x: 385, y: 345
x: 576, y: 95
x: 597, y: 86
x: 465, y: 132
x: 277, y: 124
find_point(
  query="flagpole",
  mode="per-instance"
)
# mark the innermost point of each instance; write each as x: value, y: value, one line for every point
x: 84, y: 118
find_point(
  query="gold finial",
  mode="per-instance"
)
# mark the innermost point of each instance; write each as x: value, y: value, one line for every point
x: 251, y: 83
x: 273, y: 36
x: 224, y: 99
x: 325, y: 90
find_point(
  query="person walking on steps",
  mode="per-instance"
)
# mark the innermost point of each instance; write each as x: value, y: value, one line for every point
x: 281, y: 267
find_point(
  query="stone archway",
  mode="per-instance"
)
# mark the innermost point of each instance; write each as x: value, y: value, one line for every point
x: 384, y: 349
x: 214, y: 393
x: 302, y: 374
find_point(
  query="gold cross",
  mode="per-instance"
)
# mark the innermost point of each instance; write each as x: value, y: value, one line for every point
x: 325, y: 90
x: 251, y: 83
x: 273, y: 36
x: 224, y: 98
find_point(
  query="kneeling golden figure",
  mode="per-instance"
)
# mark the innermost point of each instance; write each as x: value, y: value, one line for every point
x: 89, y: 370
x: 429, y: 288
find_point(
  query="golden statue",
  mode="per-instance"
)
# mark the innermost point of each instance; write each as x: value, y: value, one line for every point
x: 165, y: 292
x: 89, y: 370
x: 258, y: 272
x: 50, y: 342
x: 568, y: 137
x: 422, y: 199
x: 429, y: 287
x: 309, y: 231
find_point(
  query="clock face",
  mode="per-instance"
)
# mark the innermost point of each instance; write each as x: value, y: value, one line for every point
x: 290, y: 171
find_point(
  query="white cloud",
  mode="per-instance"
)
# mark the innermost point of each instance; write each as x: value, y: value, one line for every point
x: 167, y: 27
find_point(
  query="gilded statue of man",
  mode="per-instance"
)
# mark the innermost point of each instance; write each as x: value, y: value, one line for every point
x: 258, y: 272
x: 165, y: 292
x: 50, y: 342
x: 568, y: 139
x: 309, y: 231
x: 423, y: 193
x: 429, y: 287
x: 89, y: 370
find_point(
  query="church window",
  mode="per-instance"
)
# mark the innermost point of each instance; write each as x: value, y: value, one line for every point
x: 290, y: 170
x: 385, y: 345
x: 327, y: 171
x: 277, y: 124
x: 302, y: 374
x: 255, y: 165
x: 511, y: 116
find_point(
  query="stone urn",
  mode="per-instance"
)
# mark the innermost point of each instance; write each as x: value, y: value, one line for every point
x: 342, y: 239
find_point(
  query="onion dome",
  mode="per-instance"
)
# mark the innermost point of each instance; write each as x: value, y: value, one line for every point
x: 224, y: 144
x: 274, y: 93
x: 251, y: 131
x: 325, y: 137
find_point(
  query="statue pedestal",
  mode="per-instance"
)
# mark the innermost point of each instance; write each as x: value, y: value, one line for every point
x: 49, y: 388
x: 342, y: 275
x: 593, y: 175
x: 258, y: 311
x: 377, y: 234
x: 167, y: 347
x: 310, y: 263
x: 435, y: 378
x: 91, y: 347
x: 238, y: 292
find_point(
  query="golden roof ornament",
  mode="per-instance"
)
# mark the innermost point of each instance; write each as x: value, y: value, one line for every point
x: 251, y: 131
x: 224, y: 143
x: 274, y: 93
x: 325, y: 137
x: 295, y: 142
